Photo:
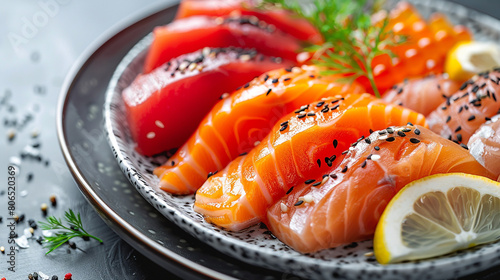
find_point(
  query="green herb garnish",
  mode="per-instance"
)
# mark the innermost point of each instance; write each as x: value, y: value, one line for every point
x: 351, y: 40
x: 65, y: 233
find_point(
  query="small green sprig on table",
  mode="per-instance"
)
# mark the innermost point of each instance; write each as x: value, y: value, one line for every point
x: 64, y: 233
x: 351, y: 39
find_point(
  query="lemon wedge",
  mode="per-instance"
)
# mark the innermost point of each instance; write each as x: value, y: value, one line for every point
x: 469, y: 58
x: 437, y: 215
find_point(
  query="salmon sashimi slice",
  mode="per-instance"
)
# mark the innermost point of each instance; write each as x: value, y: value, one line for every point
x: 484, y: 145
x: 347, y: 204
x: 242, y: 118
x: 302, y: 145
x: 462, y: 114
x: 422, y: 95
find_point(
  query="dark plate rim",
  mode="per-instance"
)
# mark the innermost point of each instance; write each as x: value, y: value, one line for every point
x: 124, y: 229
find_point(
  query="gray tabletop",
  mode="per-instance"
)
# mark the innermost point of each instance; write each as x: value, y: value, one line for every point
x: 39, y: 42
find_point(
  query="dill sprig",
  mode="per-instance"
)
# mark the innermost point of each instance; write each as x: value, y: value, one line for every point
x: 64, y: 233
x: 352, y: 41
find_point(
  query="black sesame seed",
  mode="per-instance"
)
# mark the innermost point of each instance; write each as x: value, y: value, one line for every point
x: 414, y: 140
x: 344, y: 170
x: 335, y: 107
x: 333, y: 176
x: 494, y: 96
x: 487, y: 119
x: 409, y: 123
x: 309, y: 181
x: 471, y: 118
x: 172, y: 163
x: 345, y: 152
x: 289, y: 190
x: 325, y: 110
x: 298, y: 203
x: 464, y: 146
x: 311, y: 114
x: 319, y: 162
x: 390, y: 130
x: 301, y: 116
x: 284, y: 123
x: 475, y: 89
x: 406, y: 129
x: 458, y: 129
x: 274, y: 81
x: 333, y: 158
x: 382, y: 132
x: 287, y: 79
x: 246, y: 85
x: 283, y: 127
x: 288, y: 70
x: 464, y: 85
x: 311, y: 76
x: 370, y: 130
x: 377, y: 148
x: 417, y: 131
x: 448, y: 119
x: 390, y: 139
x: 320, y: 103
x: 368, y: 141
x: 266, y: 77
x: 401, y: 133
x: 316, y: 184
x: 268, y: 92
x: 210, y: 174
x: 460, y: 109
x: 459, y: 137
x: 363, y: 165
x: 444, y: 108
x: 335, y: 143
x: 400, y: 90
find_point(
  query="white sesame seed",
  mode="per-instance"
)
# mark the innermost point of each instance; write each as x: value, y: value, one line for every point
x: 192, y: 66
x: 284, y: 208
x: 256, y: 143
x: 219, y: 20
x: 369, y: 254
x: 224, y: 95
x: 383, y: 137
x: 159, y: 124
x: 200, y: 67
x: 375, y: 157
x: 296, y: 70
x: 254, y: 20
x: 183, y: 65
x: 151, y: 135
x: 245, y: 57
x: 324, y: 180
x: 206, y: 51
x: 308, y: 198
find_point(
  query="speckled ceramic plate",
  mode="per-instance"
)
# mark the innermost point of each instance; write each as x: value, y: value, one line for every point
x: 254, y: 245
